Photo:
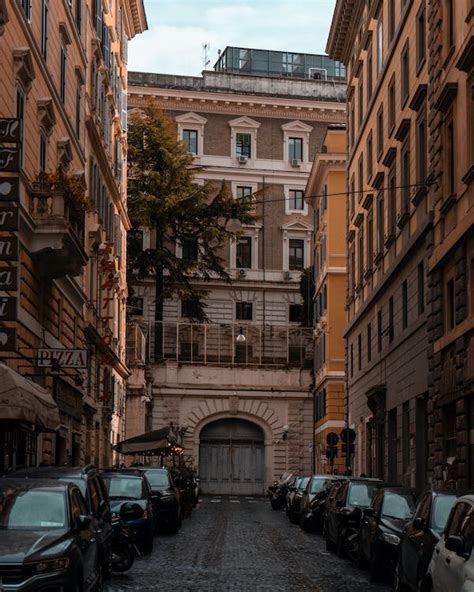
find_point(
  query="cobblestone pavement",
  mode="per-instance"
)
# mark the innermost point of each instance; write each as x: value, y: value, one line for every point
x: 241, y: 545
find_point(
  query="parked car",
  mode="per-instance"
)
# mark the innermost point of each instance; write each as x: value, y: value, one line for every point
x: 124, y: 487
x: 315, y: 497
x: 166, y: 498
x: 420, y: 537
x: 382, y: 527
x: 344, y: 513
x: 278, y: 491
x: 294, y: 506
x: 452, y: 566
x: 48, y: 539
x: 94, y: 491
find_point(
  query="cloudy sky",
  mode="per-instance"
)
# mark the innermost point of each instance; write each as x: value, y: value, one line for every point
x: 179, y: 28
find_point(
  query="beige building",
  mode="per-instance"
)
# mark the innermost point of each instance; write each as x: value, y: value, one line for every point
x: 62, y: 147
x: 241, y: 383
x: 326, y: 196
x: 450, y: 264
x: 389, y: 220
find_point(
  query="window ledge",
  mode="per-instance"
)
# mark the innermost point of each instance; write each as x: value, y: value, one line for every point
x: 419, y: 194
x: 389, y: 239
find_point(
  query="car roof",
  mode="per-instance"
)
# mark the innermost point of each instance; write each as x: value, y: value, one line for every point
x: 399, y: 489
x: 155, y: 469
x: 122, y: 475
x: 365, y: 480
x: 18, y: 483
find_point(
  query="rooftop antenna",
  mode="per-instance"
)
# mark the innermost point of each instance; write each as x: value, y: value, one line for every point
x: 206, y: 47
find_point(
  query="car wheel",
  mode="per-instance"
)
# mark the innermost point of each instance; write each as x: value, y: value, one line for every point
x: 340, y: 551
x: 374, y: 566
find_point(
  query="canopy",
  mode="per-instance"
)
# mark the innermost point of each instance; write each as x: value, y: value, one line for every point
x: 22, y: 399
x: 155, y: 442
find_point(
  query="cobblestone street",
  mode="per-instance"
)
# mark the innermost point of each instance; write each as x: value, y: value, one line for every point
x: 240, y: 544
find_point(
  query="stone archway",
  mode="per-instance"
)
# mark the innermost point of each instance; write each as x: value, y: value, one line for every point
x: 232, y: 457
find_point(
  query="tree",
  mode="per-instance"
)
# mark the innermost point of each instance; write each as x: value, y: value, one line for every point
x: 164, y: 197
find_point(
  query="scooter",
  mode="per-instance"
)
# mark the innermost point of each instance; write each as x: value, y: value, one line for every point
x: 123, y: 547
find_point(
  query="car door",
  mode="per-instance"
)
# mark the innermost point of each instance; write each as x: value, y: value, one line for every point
x: 104, y: 515
x: 87, y: 538
x: 368, y: 531
x: 334, y: 514
x: 449, y: 567
x: 415, y: 540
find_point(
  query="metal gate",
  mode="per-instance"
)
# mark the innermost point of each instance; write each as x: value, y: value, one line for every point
x: 231, y: 458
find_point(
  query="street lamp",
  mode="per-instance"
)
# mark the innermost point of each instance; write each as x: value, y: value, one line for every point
x: 233, y: 223
x: 241, y: 337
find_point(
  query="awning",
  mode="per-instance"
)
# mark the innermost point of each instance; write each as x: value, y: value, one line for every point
x: 156, y: 442
x: 23, y: 400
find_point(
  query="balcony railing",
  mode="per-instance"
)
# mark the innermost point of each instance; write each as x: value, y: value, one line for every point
x: 223, y: 344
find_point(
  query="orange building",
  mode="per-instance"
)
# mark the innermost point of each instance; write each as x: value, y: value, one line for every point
x: 325, y: 193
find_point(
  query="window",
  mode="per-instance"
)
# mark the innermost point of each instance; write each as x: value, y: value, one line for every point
x: 449, y: 430
x: 369, y: 342
x: 352, y: 125
x: 190, y: 138
x: 43, y: 151
x: 361, y: 99
x: 370, y: 75
x: 391, y: 19
x: 370, y: 238
x: 421, y: 288
x: 26, y: 8
x: 450, y: 158
x: 392, y: 199
x: 421, y: 149
x: 405, y: 73
x: 243, y: 311
x: 449, y: 23
x: 79, y: 15
x: 352, y: 195
x: 392, y: 445
x: 242, y: 191
x: 62, y: 80
x: 20, y: 114
x: 44, y: 29
x: 379, y: 45
x: 370, y: 156
x: 379, y: 330
x: 391, y: 105
x: 97, y: 18
x: 450, y: 305
x: 189, y: 309
x: 78, y: 112
x: 380, y: 132
x: 296, y: 254
x: 361, y: 178
x: 190, y: 251
x: 405, y: 164
x: 243, y: 144
x: 405, y: 436
x: 135, y: 306
x: 244, y: 252
x: 361, y: 254
x: 391, y: 328
x: 352, y: 360
x: 380, y: 222
x: 295, y: 201
x: 405, y: 304
x: 295, y: 148
x: 359, y: 351
x: 420, y: 38
x: 295, y: 313
x: 321, y: 405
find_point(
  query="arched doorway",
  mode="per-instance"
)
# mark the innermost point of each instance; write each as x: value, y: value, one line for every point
x: 231, y: 458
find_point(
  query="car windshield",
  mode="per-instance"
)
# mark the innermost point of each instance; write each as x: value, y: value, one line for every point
x: 398, y: 506
x: 317, y: 485
x: 157, y: 478
x: 32, y: 509
x: 361, y: 494
x: 442, y: 507
x: 123, y: 487
x: 303, y: 483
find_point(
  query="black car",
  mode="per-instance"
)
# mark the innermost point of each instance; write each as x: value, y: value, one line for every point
x: 420, y: 537
x: 166, y: 498
x: 315, y: 497
x: 125, y: 487
x: 47, y: 538
x: 95, y: 494
x: 344, y: 512
x: 382, y: 527
x: 294, y: 504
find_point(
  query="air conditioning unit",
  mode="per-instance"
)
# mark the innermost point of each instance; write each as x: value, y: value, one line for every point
x: 242, y: 159
x: 287, y: 275
x: 295, y: 162
x: 242, y: 273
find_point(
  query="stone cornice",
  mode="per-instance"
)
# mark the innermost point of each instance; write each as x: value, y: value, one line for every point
x: 257, y: 106
x: 135, y: 11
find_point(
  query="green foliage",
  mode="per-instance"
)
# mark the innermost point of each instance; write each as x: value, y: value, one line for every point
x: 164, y: 197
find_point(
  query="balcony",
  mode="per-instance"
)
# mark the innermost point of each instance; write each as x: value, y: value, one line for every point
x: 223, y: 344
x: 59, y: 218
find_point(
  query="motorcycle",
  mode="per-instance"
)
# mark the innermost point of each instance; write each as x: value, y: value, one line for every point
x: 124, y: 548
x: 277, y: 492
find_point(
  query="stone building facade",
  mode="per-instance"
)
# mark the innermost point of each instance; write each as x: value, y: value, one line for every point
x: 246, y: 399
x: 389, y: 217
x: 326, y: 196
x: 450, y: 262
x: 63, y: 84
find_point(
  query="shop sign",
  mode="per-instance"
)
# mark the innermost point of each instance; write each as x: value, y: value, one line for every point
x: 9, y: 218
x: 10, y: 159
x: 8, y: 279
x: 8, y: 248
x: 10, y: 130
x: 9, y: 189
x: 7, y: 339
x: 8, y: 309
x: 68, y: 399
x: 66, y: 358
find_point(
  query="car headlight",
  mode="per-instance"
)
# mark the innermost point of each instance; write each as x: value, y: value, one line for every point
x: 166, y: 498
x: 391, y: 539
x: 52, y: 565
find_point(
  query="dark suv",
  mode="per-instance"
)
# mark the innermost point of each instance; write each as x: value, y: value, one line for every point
x: 94, y: 491
x: 47, y: 538
x: 166, y: 498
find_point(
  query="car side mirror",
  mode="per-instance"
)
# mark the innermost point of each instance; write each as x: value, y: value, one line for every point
x: 83, y: 522
x: 419, y: 523
x: 455, y: 544
x: 370, y: 513
x: 130, y: 511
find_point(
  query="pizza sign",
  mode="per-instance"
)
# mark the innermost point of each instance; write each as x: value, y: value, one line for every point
x: 66, y: 358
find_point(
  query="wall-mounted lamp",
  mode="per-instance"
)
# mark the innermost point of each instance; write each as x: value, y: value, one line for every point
x: 284, y: 435
x: 233, y: 223
x: 241, y: 337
